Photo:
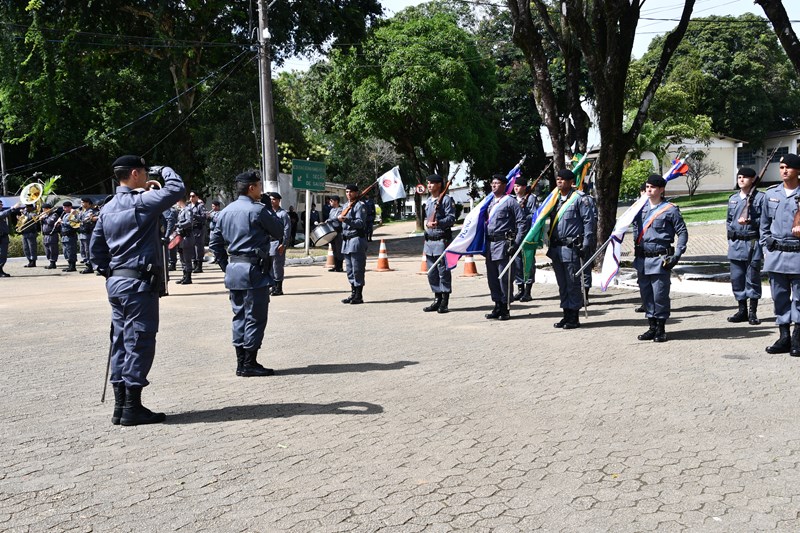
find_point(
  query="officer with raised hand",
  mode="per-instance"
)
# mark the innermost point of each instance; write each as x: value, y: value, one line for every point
x: 126, y: 249
x: 69, y: 237
x: 88, y: 218
x: 245, y: 227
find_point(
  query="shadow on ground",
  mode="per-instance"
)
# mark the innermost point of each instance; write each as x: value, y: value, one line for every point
x: 344, y: 368
x: 278, y: 410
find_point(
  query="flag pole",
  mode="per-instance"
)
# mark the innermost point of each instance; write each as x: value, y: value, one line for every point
x: 594, y: 256
x: 438, y: 260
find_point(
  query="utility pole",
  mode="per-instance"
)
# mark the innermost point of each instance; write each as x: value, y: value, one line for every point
x: 269, y: 153
x: 3, y: 168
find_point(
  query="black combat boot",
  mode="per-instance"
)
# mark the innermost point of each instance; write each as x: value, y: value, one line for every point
x: 505, y: 314
x: 198, y: 267
x: 252, y: 368
x: 136, y: 414
x: 651, y: 331
x: 173, y: 267
x: 520, y: 293
x: 70, y: 268
x: 526, y: 296
x: 240, y: 357
x: 572, y: 319
x: 277, y: 290
x: 51, y: 266
x: 31, y: 263
x: 358, y: 297
x: 352, y: 295
x: 437, y: 301
x: 88, y: 269
x: 753, y: 316
x: 741, y: 314
x: 564, y: 319
x: 795, y: 341
x: 784, y: 342
x: 186, y: 279
x: 119, y: 402
x: 445, y: 301
x: 4, y: 274
x: 639, y: 309
x: 661, y: 335
x: 495, y: 312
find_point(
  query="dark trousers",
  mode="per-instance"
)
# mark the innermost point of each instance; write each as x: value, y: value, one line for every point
x: 86, y: 254
x: 440, y: 278
x: 70, y: 245
x: 3, y: 249
x: 51, y: 247
x: 29, y: 247
x: 134, y: 319
x: 786, y: 297
x: 570, y: 288
x: 518, y: 271
x: 654, y: 289
x: 356, y: 265
x: 250, y: 313
x: 187, y: 253
x: 199, y: 243
x: 745, y: 279
x: 499, y: 288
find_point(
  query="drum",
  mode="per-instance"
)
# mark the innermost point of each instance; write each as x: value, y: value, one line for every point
x: 323, y: 234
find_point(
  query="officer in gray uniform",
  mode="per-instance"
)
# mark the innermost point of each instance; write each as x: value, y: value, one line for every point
x: 336, y: 243
x: 440, y: 215
x: 50, y: 236
x: 744, y: 252
x: 590, y: 250
x: 169, y: 219
x: 186, y: 252
x: 88, y: 219
x: 572, y: 226
x: 245, y: 227
x: 4, y: 230
x: 277, y: 248
x: 212, y: 217
x: 126, y: 250
x: 528, y: 203
x: 780, y: 235
x: 198, y: 231
x: 354, y: 243
x: 69, y: 237
x: 504, y: 234
x: 29, y: 234
x: 656, y: 227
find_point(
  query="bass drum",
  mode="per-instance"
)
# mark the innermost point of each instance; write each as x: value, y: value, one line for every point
x: 323, y: 234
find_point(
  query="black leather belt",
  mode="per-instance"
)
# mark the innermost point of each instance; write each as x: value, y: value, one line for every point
x: 787, y: 247
x: 129, y: 273
x: 638, y: 251
x: 568, y: 244
x: 496, y: 238
x: 243, y: 259
x: 733, y: 236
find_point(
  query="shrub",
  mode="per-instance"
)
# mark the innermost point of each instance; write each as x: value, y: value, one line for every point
x: 633, y: 176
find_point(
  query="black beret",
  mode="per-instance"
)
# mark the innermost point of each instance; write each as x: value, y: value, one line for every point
x: 791, y: 161
x: 276, y: 195
x: 67, y: 204
x: 501, y: 177
x: 351, y: 187
x: 47, y: 205
x: 565, y: 174
x: 250, y: 176
x: 656, y: 181
x: 335, y: 197
x: 129, y: 161
x: 87, y: 200
x: 747, y: 172
x: 434, y: 178
x: 521, y: 180
x: 216, y: 202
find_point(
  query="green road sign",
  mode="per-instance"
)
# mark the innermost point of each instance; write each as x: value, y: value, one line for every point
x: 308, y: 175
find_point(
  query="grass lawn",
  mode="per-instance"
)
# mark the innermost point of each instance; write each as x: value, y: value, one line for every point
x: 705, y: 215
x: 699, y: 200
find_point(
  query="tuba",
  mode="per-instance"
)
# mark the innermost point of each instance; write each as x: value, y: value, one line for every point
x: 32, y: 194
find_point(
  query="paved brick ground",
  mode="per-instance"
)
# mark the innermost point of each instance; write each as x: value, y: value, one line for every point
x: 384, y: 418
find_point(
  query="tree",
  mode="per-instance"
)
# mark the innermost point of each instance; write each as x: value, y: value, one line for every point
x: 419, y: 83
x: 783, y: 28
x: 699, y: 168
x: 603, y: 32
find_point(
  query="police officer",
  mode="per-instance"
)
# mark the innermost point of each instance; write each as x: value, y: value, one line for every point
x: 198, y: 231
x: 655, y: 228
x: 336, y: 244
x: 369, y: 208
x: 185, y: 227
x: 4, y: 230
x: 88, y: 218
x: 68, y: 226
x: 572, y: 227
x: 440, y: 215
x: 354, y: 243
x: 49, y: 235
x: 126, y: 250
x: 504, y: 234
x: 277, y: 248
x: 169, y: 218
x: 29, y: 234
x: 780, y: 235
x: 744, y: 251
x: 212, y: 217
x: 245, y: 227
x: 528, y: 203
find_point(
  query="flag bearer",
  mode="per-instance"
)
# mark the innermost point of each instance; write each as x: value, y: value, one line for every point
x: 440, y: 215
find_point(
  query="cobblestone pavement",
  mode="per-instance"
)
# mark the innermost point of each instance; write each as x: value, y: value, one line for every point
x: 384, y: 418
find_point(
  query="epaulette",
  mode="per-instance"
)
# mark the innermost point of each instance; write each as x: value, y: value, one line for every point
x: 774, y: 186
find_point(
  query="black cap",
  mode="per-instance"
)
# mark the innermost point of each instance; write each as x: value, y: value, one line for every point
x: 67, y: 204
x: 335, y: 197
x: 129, y: 161
x: 87, y: 200
x: 747, y: 172
x: 47, y: 205
x: 434, y: 178
x: 250, y: 176
x: 791, y: 161
x: 275, y: 195
x: 565, y: 174
x: 521, y: 180
x: 501, y: 177
x: 215, y: 202
x: 656, y: 180
x: 351, y: 187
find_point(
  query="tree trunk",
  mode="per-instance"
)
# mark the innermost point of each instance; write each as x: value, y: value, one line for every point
x: 783, y: 28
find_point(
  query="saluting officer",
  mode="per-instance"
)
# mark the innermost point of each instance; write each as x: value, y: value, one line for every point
x: 504, y: 234
x: 126, y: 250
x: 336, y: 243
x: 69, y: 237
x: 245, y: 227
x: 88, y: 218
x: 744, y: 251
x: 656, y: 227
x: 440, y: 215
x: 277, y: 248
x: 354, y: 243
x: 528, y: 203
x: 572, y: 228
x: 49, y: 235
x: 186, y: 252
x: 780, y: 234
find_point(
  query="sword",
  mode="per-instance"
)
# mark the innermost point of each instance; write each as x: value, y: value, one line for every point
x: 108, y: 363
x: 583, y: 292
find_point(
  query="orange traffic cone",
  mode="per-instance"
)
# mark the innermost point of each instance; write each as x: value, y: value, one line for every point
x: 383, y: 259
x: 469, y: 267
x: 423, y: 267
x: 330, y: 262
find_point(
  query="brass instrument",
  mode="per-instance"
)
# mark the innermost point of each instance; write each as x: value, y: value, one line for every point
x: 32, y: 194
x: 74, y: 219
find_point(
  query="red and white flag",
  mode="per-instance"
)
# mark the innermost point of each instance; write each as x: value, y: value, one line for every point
x: 391, y: 185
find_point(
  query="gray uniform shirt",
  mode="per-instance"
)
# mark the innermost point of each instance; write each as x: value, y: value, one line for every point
x: 353, y: 229
x: 286, y: 234
x: 435, y: 238
x: 659, y: 235
x: 776, y: 224
x: 741, y: 236
x: 505, y: 217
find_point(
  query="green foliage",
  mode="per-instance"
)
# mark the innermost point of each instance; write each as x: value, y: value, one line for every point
x: 633, y: 176
x: 705, y: 215
x: 15, y: 246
